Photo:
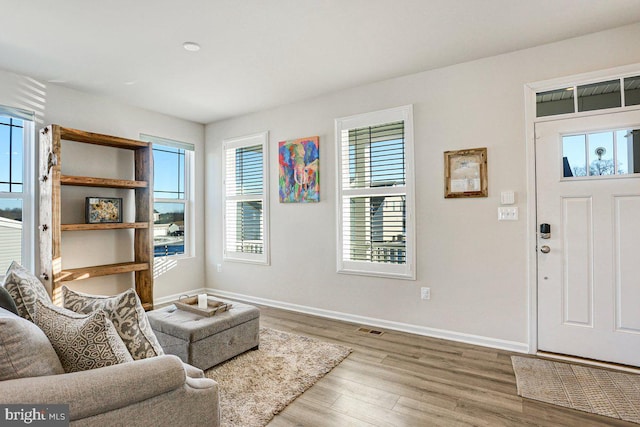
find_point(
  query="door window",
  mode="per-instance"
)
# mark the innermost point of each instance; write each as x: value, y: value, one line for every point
x: 599, y: 154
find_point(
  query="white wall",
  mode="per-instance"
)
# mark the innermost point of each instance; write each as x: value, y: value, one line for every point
x: 476, y: 266
x: 70, y: 108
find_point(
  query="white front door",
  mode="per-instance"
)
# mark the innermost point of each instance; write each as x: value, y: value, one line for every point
x: 588, y: 191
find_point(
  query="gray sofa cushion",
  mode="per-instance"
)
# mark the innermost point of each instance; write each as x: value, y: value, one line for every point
x: 25, y: 350
x: 6, y: 301
x: 127, y: 315
x: 82, y: 342
x: 25, y: 289
x: 148, y: 392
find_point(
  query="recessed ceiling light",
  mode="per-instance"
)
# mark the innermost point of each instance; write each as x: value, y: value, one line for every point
x: 191, y: 46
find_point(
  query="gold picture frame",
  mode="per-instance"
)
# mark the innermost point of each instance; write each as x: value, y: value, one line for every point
x: 465, y: 173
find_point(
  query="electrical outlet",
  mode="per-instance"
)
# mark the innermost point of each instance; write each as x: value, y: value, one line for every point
x: 219, y: 268
x: 425, y: 293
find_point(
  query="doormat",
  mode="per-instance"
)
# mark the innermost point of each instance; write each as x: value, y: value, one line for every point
x: 597, y: 391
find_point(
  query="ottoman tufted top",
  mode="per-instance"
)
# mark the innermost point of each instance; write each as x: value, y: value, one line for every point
x: 192, y: 327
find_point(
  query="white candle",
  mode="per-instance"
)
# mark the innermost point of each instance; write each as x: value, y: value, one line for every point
x: 202, y: 301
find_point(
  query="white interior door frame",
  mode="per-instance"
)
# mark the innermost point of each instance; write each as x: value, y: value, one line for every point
x: 530, y: 90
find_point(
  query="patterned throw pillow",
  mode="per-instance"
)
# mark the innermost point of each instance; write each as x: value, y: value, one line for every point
x: 127, y: 315
x: 25, y: 289
x: 82, y: 342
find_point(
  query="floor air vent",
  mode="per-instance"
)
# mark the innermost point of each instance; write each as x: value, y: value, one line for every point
x: 369, y: 331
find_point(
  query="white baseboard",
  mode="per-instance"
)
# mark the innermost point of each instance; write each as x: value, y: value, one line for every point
x: 513, y: 346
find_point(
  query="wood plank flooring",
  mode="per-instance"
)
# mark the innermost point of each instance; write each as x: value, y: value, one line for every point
x: 399, y: 379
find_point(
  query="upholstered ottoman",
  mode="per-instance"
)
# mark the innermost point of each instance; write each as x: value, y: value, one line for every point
x: 206, y: 341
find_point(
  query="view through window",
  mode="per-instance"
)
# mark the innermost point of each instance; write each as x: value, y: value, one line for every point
x: 15, y: 201
x: 172, y: 162
x: 597, y: 154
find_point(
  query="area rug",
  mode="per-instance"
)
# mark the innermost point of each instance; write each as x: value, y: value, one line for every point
x: 598, y: 391
x: 256, y: 385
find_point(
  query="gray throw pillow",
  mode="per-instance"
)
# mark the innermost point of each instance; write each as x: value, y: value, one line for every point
x: 82, y: 342
x: 25, y: 351
x: 6, y: 301
x: 25, y: 289
x: 126, y: 312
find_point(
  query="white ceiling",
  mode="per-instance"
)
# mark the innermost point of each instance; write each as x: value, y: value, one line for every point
x: 258, y: 54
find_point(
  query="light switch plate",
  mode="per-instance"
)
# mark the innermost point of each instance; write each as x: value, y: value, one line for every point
x: 507, y: 214
x: 507, y: 197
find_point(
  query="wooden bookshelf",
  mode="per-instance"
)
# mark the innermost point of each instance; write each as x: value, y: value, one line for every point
x: 51, y: 228
x: 100, y: 270
x: 87, y: 181
x: 105, y: 226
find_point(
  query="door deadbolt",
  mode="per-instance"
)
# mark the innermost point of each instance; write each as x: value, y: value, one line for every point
x: 545, y: 249
x: 545, y: 231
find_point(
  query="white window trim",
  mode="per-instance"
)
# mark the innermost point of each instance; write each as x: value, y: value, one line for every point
x: 261, y: 138
x: 28, y: 194
x: 398, y: 271
x: 189, y: 192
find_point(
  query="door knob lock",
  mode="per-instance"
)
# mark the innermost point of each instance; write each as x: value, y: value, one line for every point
x: 545, y: 231
x: 545, y: 249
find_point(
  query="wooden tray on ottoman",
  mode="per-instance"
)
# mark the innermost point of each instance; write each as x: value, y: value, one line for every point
x: 213, y: 307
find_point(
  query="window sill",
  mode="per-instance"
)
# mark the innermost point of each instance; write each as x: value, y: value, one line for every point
x: 381, y: 274
x: 247, y: 261
x: 177, y: 257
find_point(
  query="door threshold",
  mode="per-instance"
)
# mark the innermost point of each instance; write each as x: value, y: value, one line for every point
x: 589, y: 362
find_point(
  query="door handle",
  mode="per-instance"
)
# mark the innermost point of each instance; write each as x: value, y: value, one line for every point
x: 545, y: 249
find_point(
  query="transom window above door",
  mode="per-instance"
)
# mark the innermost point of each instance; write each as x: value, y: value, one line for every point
x: 613, y: 93
x: 602, y: 153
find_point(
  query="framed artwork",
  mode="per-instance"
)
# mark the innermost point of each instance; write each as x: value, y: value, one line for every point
x: 103, y: 210
x: 299, y: 170
x: 465, y: 173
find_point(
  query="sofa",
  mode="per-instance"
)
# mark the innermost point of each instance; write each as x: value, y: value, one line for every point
x: 153, y: 391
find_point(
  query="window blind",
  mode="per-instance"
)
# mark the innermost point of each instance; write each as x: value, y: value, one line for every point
x: 375, y: 229
x: 374, y: 203
x: 375, y: 156
x: 244, y: 170
x: 244, y: 213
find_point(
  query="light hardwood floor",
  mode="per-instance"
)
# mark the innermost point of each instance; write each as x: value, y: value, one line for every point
x: 398, y: 379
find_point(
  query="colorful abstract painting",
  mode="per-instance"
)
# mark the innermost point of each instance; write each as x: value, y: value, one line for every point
x: 299, y: 170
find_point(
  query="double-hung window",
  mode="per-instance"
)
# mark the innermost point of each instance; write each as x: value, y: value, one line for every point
x: 172, y: 197
x: 16, y: 188
x: 246, y: 196
x: 376, y: 194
